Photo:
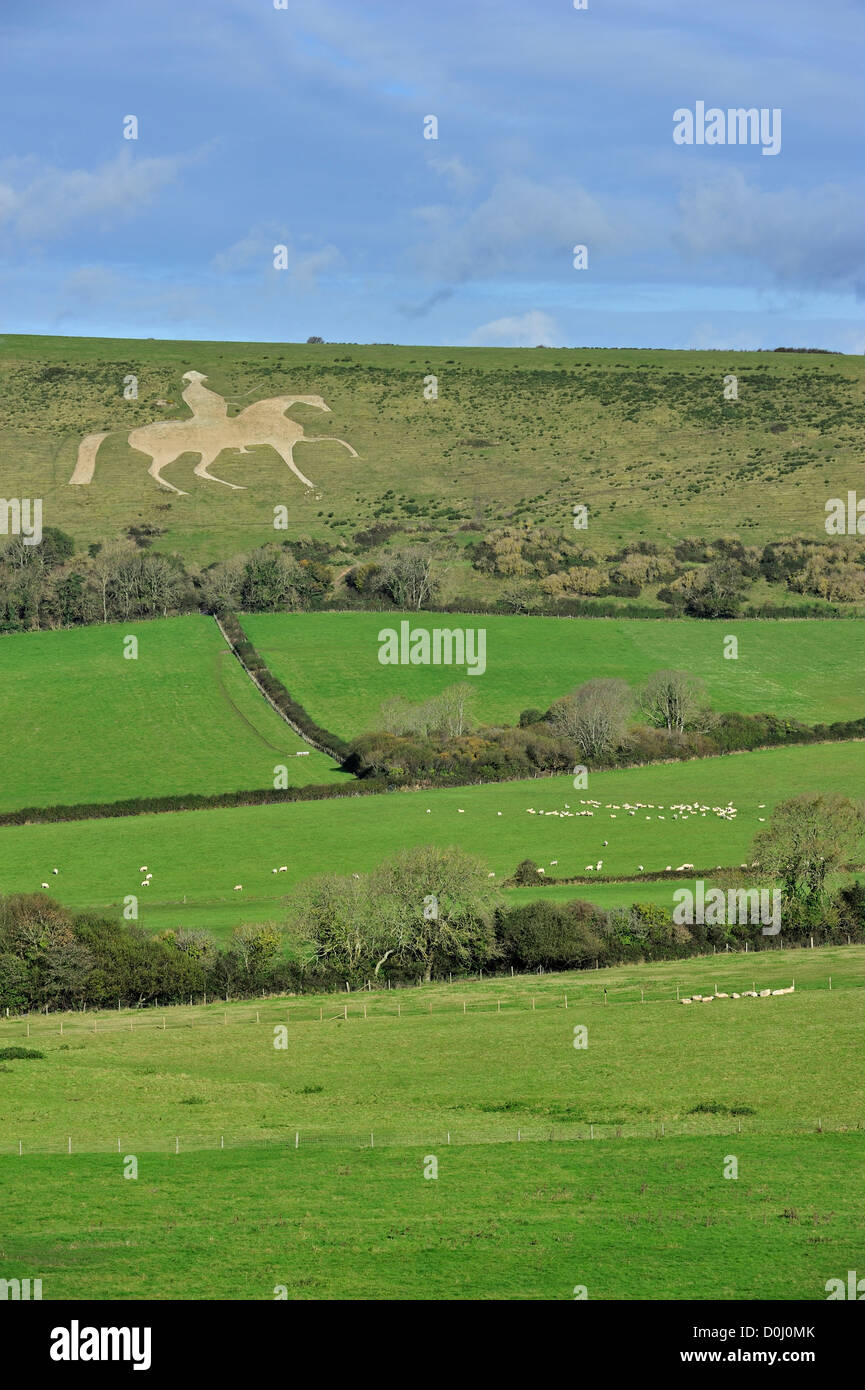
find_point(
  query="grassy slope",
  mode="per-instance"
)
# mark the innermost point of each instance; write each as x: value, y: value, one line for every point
x: 329, y: 661
x: 512, y: 428
x: 200, y: 855
x: 85, y: 724
x: 631, y: 1218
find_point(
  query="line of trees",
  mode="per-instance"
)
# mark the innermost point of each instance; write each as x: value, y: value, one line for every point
x: 601, y: 724
x: 426, y: 913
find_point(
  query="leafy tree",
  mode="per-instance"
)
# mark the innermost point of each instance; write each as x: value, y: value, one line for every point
x: 809, y: 838
x: 437, y: 906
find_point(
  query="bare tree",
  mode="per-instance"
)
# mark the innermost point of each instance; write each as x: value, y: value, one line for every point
x: 673, y: 699
x: 407, y: 577
x: 595, y: 716
x: 453, y: 709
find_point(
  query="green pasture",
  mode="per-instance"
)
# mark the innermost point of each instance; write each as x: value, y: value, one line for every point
x: 804, y: 669
x: 197, y: 857
x: 85, y: 724
x: 642, y: 1210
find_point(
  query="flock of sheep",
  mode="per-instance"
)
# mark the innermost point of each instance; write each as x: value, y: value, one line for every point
x: 746, y: 994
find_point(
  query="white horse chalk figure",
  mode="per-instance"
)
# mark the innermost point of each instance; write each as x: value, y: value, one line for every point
x: 209, y: 432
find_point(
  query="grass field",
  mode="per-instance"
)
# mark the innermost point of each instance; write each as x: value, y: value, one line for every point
x: 629, y: 1217
x: 85, y: 724
x: 198, y: 856
x: 514, y: 432
x: 329, y: 662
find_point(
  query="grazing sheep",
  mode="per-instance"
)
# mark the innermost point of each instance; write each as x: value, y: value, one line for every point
x: 55, y: 871
x: 45, y: 885
x: 600, y: 864
x: 722, y: 996
x: 554, y: 863
x: 490, y: 875
x: 589, y: 868
x: 764, y: 993
x: 541, y: 871
x: 461, y: 812
x: 145, y: 883
x: 641, y: 869
x: 238, y: 887
x: 143, y: 869
x: 734, y: 995
x: 283, y: 868
x: 498, y: 813
x: 684, y: 1001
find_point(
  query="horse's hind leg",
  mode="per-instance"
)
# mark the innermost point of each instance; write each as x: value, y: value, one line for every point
x: 200, y: 471
x: 155, y: 471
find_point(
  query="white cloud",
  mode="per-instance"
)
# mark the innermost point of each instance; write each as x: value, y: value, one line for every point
x: 254, y: 252
x: 456, y: 174
x: 806, y: 236
x: 532, y: 329
x: 45, y: 207
x: 519, y: 220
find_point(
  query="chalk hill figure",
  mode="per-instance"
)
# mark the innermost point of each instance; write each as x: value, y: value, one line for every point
x: 209, y: 432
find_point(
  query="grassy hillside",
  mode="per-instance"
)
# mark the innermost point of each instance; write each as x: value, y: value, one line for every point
x: 629, y: 1217
x: 329, y: 661
x: 197, y: 857
x: 643, y: 438
x: 85, y: 724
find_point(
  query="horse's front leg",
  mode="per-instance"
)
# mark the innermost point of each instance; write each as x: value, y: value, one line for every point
x: 155, y: 471
x: 202, y: 466
x: 285, y: 453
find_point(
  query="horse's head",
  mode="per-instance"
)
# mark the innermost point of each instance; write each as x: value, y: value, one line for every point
x: 315, y: 401
x: 193, y: 376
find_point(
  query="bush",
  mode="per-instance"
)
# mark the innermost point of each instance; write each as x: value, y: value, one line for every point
x: 13, y: 1054
x: 555, y: 936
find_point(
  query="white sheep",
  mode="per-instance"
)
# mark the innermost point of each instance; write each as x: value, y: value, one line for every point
x: 554, y: 863
x: 143, y: 869
x: 238, y: 887
x: 283, y: 869
x: 55, y: 871
x: 45, y: 885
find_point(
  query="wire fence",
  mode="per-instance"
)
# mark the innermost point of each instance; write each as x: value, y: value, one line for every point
x: 689, y: 1127
x: 376, y: 1006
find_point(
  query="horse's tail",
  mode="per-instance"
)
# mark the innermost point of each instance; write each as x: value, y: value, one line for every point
x: 86, y: 463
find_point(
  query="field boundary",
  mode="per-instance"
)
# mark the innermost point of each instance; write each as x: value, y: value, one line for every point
x: 586, y: 1131
x: 362, y: 1005
x: 333, y: 748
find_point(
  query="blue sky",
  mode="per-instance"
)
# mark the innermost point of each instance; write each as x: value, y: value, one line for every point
x: 304, y: 127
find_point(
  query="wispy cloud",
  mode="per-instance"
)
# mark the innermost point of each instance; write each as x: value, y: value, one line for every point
x: 47, y: 202
x: 532, y: 329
